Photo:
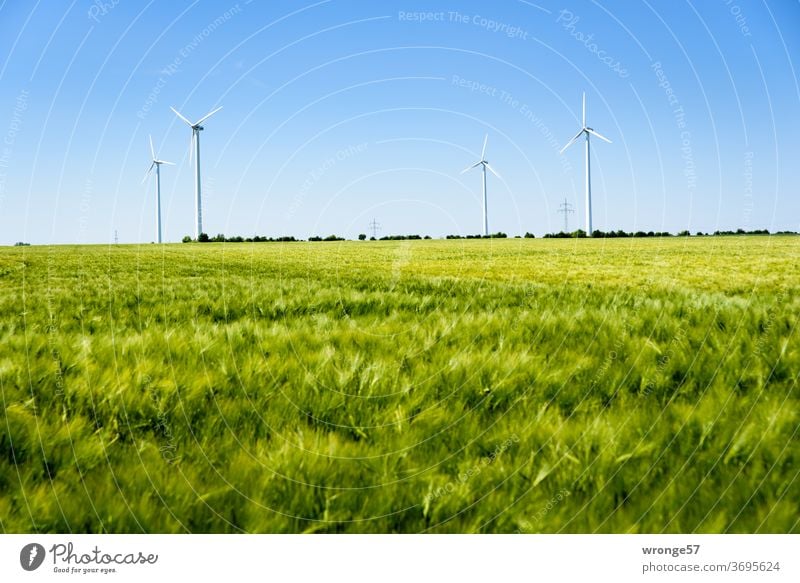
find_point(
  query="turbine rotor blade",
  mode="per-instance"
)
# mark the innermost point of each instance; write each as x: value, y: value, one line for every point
x: 180, y: 116
x: 149, y: 170
x: 572, y: 141
x: 483, y: 152
x: 165, y: 162
x: 152, y: 150
x: 486, y: 165
x: 594, y: 133
x: 202, y: 119
x: 468, y: 168
x: 584, y: 109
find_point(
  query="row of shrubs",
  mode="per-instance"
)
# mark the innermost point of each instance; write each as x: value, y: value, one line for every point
x: 492, y: 236
x: 395, y: 237
x: 579, y: 234
x: 204, y: 238
x: 328, y: 238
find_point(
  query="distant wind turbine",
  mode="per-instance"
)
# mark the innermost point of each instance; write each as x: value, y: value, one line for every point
x: 195, y: 145
x: 157, y: 165
x: 486, y: 167
x: 586, y: 130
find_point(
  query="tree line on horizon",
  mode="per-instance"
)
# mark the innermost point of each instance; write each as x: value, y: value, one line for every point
x: 577, y: 234
x: 620, y: 234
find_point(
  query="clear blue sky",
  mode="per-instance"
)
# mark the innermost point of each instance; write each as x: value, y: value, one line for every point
x: 337, y: 112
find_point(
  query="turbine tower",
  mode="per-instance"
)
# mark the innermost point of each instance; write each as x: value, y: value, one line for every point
x: 157, y: 165
x: 587, y: 131
x: 195, y: 145
x: 486, y: 167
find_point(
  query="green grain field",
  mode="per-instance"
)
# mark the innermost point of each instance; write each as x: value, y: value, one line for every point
x: 580, y: 386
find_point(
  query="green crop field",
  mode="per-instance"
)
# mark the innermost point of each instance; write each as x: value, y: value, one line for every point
x: 645, y: 385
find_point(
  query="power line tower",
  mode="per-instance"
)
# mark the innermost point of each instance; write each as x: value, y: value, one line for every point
x: 116, y: 238
x: 565, y: 208
x: 375, y: 226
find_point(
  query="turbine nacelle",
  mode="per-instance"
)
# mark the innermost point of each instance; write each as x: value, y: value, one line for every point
x: 584, y: 130
x: 483, y: 161
x: 154, y: 161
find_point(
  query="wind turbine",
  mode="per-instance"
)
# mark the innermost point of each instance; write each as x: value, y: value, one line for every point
x: 157, y: 165
x: 486, y: 167
x: 586, y: 130
x: 195, y: 144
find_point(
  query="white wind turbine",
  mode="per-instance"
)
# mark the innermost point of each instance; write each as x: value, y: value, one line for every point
x: 195, y: 145
x: 586, y: 130
x: 486, y: 167
x: 157, y: 165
